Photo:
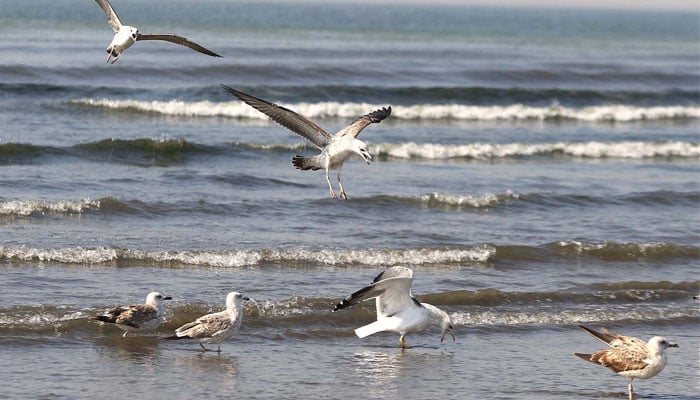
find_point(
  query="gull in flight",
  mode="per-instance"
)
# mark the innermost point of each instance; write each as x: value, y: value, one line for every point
x: 335, y: 149
x: 215, y: 327
x: 629, y: 356
x: 136, y: 317
x: 397, y: 310
x: 125, y: 36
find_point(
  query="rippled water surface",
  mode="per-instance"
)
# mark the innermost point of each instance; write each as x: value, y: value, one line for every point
x: 539, y: 171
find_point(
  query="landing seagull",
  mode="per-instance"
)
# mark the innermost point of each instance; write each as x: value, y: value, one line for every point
x: 215, y: 327
x: 125, y: 36
x: 137, y: 317
x: 335, y: 149
x: 397, y: 310
x: 629, y: 356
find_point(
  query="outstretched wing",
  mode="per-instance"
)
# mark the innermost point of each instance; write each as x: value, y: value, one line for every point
x: 168, y: 37
x: 391, y: 288
x: 359, y: 124
x: 296, y: 123
x: 111, y: 15
x: 613, y: 339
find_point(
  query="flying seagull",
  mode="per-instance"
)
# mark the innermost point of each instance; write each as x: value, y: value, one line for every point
x: 629, y: 356
x: 215, y: 327
x: 137, y: 317
x: 397, y: 310
x: 125, y: 36
x: 335, y: 149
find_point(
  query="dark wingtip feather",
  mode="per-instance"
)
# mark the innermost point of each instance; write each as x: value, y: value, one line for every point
x: 582, y: 356
x: 171, y: 337
x: 378, y: 115
x: 101, y: 318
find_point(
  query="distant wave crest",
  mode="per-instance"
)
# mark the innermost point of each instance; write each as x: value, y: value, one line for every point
x: 30, y: 207
x: 235, y: 109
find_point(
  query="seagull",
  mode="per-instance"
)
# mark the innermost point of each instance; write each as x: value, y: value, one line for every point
x: 335, y: 149
x: 137, y: 317
x: 629, y: 356
x: 125, y: 36
x: 397, y: 310
x: 215, y: 327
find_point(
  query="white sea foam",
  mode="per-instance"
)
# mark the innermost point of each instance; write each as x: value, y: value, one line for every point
x: 466, y: 201
x: 246, y: 258
x: 24, y: 208
x: 237, y: 109
x: 562, y: 317
x: 629, y: 149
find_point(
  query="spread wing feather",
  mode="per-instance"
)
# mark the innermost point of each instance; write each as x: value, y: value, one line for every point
x: 111, y: 15
x: 291, y: 120
x: 168, y: 37
x: 391, y: 288
x: 361, y: 123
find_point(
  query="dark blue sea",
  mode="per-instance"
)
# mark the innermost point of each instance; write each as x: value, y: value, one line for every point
x: 540, y: 170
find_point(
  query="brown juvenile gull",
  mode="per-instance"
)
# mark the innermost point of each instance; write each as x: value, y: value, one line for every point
x: 125, y: 36
x: 629, y: 356
x: 136, y: 317
x: 397, y: 310
x: 335, y: 149
x: 215, y: 327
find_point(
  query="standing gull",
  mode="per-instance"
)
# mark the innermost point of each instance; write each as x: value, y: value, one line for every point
x: 136, y: 317
x: 335, y: 149
x: 397, y: 310
x: 629, y: 356
x: 125, y: 36
x: 215, y: 327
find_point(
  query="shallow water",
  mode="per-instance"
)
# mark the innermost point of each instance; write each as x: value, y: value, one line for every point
x: 536, y: 174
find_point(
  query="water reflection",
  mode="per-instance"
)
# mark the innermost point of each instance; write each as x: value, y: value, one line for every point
x: 211, y: 370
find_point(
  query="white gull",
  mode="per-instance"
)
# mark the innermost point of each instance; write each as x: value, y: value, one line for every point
x: 335, y: 149
x: 136, y: 317
x: 216, y: 327
x: 125, y: 36
x: 629, y: 356
x: 397, y: 310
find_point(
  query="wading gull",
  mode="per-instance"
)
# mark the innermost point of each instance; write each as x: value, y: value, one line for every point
x: 216, y: 327
x: 397, y: 310
x: 335, y: 149
x: 137, y: 317
x: 125, y: 36
x: 629, y: 356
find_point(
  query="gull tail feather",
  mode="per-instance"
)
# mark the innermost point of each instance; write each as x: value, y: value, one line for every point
x: 172, y: 337
x: 586, y: 357
x: 370, y: 329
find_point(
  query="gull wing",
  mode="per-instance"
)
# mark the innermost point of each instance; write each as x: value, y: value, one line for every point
x: 136, y: 315
x: 391, y: 288
x: 361, y: 123
x: 613, y: 339
x: 618, y: 359
x: 112, y: 17
x: 168, y: 37
x: 206, y: 326
x: 296, y: 123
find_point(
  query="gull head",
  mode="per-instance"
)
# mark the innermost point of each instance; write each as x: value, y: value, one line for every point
x: 123, y: 39
x: 360, y: 148
x: 234, y: 299
x: 658, y: 344
x: 154, y: 298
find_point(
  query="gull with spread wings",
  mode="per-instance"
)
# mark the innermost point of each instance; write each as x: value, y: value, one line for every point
x: 629, y: 356
x: 397, y: 310
x: 335, y: 149
x: 125, y: 36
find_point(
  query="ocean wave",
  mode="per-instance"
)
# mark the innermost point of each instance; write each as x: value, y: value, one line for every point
x: 31, y: 207
x: 595, y: 150
x: 625, y: 252
x: 250, y: 258
x: 330, y: 109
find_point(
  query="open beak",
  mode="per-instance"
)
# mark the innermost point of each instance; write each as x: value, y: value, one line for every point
x: 367, y: 157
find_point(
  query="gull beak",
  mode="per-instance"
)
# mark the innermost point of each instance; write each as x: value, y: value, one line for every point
x: 367, y: 157
x: 246, y: 298
x: 167, y: 298
x: 673, y: 345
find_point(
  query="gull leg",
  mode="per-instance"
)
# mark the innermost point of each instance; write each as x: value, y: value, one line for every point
x: 204, y: 349
x: 328, y: 179
x: 402, y: 340
x: 343, y: 195
x: 631, y: 390
x: 218, y: 348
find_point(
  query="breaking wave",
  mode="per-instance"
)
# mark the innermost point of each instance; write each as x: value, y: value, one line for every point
x: 329, y: 109
x: 30, y: 207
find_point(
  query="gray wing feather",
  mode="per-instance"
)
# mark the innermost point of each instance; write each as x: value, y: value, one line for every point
x: 392, y: 288
x: 291, y: 120
x: 111, y: 15
x: 168, y: 37
x: 361, y: 123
